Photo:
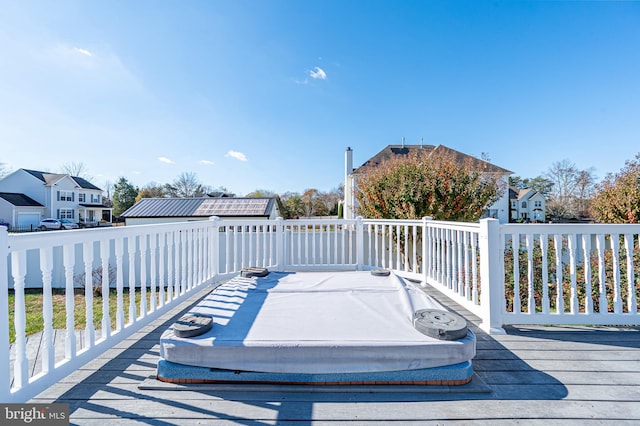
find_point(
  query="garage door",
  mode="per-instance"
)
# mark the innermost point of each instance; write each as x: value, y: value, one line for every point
x: 27, y: 219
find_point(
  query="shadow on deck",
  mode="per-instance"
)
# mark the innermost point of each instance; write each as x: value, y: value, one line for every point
x: 531, y: 373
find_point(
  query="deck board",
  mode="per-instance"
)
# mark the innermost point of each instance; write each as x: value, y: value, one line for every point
x: 536, y: 375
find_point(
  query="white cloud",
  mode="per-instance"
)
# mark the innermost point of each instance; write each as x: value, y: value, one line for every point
x: 237, y: 155
x: 165, y: 160
x: 206, y: 162
x: 83, y: 51
x: 318, y: 73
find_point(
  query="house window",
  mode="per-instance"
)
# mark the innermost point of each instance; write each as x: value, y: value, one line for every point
x: 95, y: 199
x: 524, y: 204
x: 65, y: 196
x: 538, y: 204
x: 81, y: 197
x: 66, y: 214
x: 513, y: 204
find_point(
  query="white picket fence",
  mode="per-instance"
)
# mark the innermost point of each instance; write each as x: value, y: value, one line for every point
x: 562, y: 274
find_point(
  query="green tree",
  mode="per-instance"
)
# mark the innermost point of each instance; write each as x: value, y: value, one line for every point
x: 124, y: 196
x: 617, y: 198
x: 538, y: 183
x: 416, y: 186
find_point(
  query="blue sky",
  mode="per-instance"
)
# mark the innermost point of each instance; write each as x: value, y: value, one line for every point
x: 268, y: 94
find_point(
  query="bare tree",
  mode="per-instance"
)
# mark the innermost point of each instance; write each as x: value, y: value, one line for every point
x: 186, y: 185
x: 4, y: 170
x: 76, y: 169
x: 571, y: 189
x: 107, y: 200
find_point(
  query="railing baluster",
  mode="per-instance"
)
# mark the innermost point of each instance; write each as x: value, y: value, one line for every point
x: 466, y: 274
x: 557, y: 242
x: 21, y: 363
x: 588, y: 298
x: 544, y: 251
x: 46, y: 266
x: 153, y: 252
x: 131, y: 251
x: 615, y: 249
x: 143, y: 275
x: 600, y: 244
x: 119, y: 249
x: 515, y: 244
x: 163, y: 246
x: 572, y: 273
x: 70, y: 338
x: 531, y: 301
x: 632, y: 304
x: 474, y: 266
x: 106, y: 318
x: 89, y: 331
x: 177, y: 263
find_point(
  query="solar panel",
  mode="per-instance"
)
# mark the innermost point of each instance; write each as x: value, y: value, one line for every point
x: 232, y: 207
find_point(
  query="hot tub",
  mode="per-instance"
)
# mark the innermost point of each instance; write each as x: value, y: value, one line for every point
x: 315, y: 327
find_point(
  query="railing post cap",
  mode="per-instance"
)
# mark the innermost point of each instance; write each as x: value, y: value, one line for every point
x: 427, y: 218
x: 214, y: 218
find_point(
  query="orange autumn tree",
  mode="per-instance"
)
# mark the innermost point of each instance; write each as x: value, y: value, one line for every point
x: 617, y: 198
x: 437, y: 185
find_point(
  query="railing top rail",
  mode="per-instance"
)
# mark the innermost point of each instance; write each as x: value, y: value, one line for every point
x: 569, y: 228
x: 392, y: 221
x: 46, y: 239
x: 463, y: 226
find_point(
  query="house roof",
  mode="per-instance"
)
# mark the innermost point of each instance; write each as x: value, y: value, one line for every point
x: 395, y: 151
x: 521, y: 194
x: 51, y: 178
x: 200, y: 207
x: 20, y: 200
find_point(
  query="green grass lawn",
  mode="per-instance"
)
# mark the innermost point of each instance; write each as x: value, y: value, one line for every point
x: 33, y: 303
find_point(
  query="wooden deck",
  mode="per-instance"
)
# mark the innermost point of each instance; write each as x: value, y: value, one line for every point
x: 532, y: 375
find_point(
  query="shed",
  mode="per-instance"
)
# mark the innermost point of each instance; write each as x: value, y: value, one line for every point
x: 164, y: 210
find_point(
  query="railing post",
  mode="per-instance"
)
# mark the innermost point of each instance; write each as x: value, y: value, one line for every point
x: 5, y: 383
x: 359, y: 244
x: 214, y: 247
x: 279, y: 244
x: 491, y: 281
x: 425, y: 249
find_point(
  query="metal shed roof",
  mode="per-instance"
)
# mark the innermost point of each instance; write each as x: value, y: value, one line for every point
x: 200, y: 207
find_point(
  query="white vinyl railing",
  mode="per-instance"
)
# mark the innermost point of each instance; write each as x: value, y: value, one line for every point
x: 557, y: 274
x: 571, y: 274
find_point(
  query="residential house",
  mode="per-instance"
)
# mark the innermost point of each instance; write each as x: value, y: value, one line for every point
x: 499, y: 210
x: 527, y: 205
x: 31, y: 195
x: 163, y: 210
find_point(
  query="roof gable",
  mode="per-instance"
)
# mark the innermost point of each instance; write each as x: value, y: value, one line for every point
x: 51, y: 178
x: 396, y: 151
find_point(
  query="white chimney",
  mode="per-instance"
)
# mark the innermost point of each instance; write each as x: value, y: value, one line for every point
x: 347, y: 211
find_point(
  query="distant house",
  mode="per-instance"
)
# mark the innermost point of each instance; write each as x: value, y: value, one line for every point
x: 527, y: 205
x: 499, y: 210
x: 31, y: 195
x: 163, y: 210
